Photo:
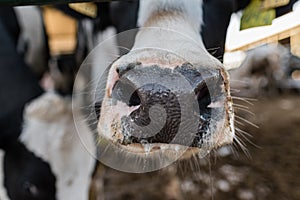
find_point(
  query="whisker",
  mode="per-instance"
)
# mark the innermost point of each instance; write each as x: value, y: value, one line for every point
x: 213, y: 48
x: 250, y: 142
x: 247, y: 111
x: 242, y: 99
x: 242, y: 146
x: 219, y: 57
x: 239, y: 105
x: 250, y: 99
x: 240, y: 123
x: 235, y: 90
x: 114, y: 55
x: 92, y: 123
x: 211, y: 180
x: 240, y: 141
x: 214, y: 154
x: 245, y: 98
x: 122, y: 47
x: 243, y: 132
x: 238, y: 81
x: 247, y: 121
x: 234, y: 150
x: 179, y: 167
x: 196, y: 161
x: 245, y: 135
x: 191, y: 164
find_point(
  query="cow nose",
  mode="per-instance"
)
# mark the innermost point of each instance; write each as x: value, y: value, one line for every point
x: 164, y: 105
x: 157, y: 117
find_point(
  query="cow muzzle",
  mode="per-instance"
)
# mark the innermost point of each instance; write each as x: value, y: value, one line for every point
x: 154, y: 107
x: 151, y: 108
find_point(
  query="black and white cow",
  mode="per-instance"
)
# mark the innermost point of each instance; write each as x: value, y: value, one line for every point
x: 45, y: 173
x: 168, y: 50
x: 41, y: 155
x: 18, y: 86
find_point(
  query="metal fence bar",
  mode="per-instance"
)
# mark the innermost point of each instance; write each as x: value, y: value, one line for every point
x: 42, y: 2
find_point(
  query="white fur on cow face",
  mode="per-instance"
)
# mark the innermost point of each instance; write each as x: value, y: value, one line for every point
x: 177, y: 25
x: 50, y: 133
x: 192, y: 10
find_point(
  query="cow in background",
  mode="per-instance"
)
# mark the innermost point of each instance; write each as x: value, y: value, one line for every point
x: 18, y: 86
x: 41, y: 155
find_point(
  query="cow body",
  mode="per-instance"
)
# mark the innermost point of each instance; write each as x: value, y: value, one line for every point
x: 50, y: 132
x: 18, y: 86
x: 41, y: 155
x: 49, y: 156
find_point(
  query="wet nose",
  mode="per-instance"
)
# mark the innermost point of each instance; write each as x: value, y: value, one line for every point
x: 172, y: 105
x: 157, y: 117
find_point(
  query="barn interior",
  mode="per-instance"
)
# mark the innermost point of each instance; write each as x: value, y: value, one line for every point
x: 264, y: 66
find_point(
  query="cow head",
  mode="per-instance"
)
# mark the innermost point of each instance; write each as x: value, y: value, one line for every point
x: 167, y: 97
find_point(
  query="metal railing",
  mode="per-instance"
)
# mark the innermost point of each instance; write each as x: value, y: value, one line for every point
x: 42, y: 2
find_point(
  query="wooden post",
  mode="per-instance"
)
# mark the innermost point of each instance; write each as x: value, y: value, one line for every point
x: 295, y: 44
x: 61, y: 30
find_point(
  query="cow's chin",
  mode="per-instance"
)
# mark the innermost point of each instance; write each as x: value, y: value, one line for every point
x: 166, y: 151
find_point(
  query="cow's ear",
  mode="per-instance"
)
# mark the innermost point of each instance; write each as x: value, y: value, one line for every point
x: 240, y: 5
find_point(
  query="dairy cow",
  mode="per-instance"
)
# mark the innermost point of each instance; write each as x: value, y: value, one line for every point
x: 41, y: 155
x: 18, y: 86
x: 169, y: 76
x: 173, y: 26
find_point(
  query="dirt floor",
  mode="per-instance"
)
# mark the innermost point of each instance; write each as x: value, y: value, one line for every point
x: 270, y: 171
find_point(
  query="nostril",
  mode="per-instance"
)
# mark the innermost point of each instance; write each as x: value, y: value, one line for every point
x: 157, y: 119
x: 134, y: 99
x: 97, y: 108
x: 203, y: 97
x: 125, y: 91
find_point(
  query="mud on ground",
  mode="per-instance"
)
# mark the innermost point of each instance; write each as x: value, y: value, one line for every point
x: 271, y: 171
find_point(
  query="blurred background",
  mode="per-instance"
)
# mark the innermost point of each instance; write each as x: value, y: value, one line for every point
x: 264, y: 61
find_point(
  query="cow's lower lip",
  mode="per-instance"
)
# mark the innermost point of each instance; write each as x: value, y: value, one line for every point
x: 164, y: 148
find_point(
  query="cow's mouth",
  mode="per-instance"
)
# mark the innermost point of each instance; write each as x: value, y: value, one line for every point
x: 150, y: 108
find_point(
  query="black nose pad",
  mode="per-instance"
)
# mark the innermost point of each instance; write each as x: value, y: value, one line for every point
x: 163, y: 106
x: 158, y: 116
